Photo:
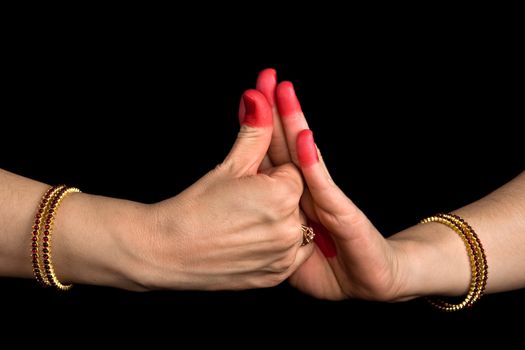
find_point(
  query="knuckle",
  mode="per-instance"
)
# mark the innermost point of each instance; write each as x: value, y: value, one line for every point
x: 290, y: 237
x: 290, y: 175
x: 285, y: 237
x: 247, y: 132
x: 266, y: 281
x: 279, y: 267
x: 271, y: 213
x: 287, y: 205
x: 274, y: 279
x: 293, y: 189
x: 286, y: 193
x: 282, y: 265
x: 295, y: 181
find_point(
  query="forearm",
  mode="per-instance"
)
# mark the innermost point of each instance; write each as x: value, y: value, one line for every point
x: 88, y: 240
x: 19, y: 198
x: 436, y: 258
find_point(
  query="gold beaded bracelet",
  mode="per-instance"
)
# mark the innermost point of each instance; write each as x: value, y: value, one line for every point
x: 46, y: 215
x: 477, y: 258
x: 480, y: 258
x: 35, y: 235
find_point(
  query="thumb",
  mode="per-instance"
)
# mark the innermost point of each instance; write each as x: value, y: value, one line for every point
x: 254, y: 137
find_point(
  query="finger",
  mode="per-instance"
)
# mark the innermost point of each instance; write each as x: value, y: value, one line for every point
x: 290, y: 177
x: 323, y: 239
x: 266, y: 83
x: 324, y: 191
x: 303, y: 253
x: 316, y: 274
x: 292, y: 117
x: 266, y: 163
x: 254, y: 137
x: 303, y: 219
x: 278, y: 152
x: 308, y: 205
x: 242, y: 111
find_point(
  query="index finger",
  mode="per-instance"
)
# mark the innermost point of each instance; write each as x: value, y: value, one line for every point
x: 292, y: 117
x: 278, y: 152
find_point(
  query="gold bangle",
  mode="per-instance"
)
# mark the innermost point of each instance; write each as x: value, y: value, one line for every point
x: 480, y: 256
x: 44, y: 271
x: 477, y: 258
x: 36, y: 251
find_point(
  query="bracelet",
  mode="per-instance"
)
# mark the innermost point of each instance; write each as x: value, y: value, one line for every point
x: 44, y: 223
x: 477, y: 258
x: 35, y: 235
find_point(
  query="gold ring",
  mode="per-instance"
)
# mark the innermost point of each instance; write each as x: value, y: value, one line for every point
x: 308, y: 235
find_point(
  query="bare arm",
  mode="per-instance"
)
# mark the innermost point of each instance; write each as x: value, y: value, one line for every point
x: 437, y: 261
x: 87, y: 232
x: 354, y: 260
x: 235, y: 228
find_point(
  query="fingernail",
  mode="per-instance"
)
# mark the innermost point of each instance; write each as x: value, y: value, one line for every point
x: 287, y: 101
x: 257, y: 112
x: 266, y: 83
x: 250, y: 109
x: 324, y: 240
x: 242, y: 111
x: 306, y: 150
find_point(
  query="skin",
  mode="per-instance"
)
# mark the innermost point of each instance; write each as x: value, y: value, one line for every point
x: 353, y: 260
x: 235, y: 228
x: 206, y: 238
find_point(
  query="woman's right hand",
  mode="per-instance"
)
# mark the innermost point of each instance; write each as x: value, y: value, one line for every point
x: 351, y: 259
x: 233, y: 229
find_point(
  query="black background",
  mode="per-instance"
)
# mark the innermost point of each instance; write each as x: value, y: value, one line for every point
x: 409, y: 126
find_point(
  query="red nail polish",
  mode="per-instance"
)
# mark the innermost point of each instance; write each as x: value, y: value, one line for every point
x: 306, y: 150
x: 287, y: 101
x: 258, y: 112
x: 324, y: 240
x: 266, y: 83
x: 242, y: 111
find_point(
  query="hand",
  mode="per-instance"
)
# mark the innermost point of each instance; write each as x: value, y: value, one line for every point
x: 233, y: 229
x: 351, y: 259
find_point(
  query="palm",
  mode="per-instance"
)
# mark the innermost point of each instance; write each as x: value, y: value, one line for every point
x: 316, y: 277
x: 364, y: 266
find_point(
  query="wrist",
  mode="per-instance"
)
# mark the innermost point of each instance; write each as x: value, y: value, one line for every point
x: 92, y: 240
x: 158, y: 252
x: 434, y: 261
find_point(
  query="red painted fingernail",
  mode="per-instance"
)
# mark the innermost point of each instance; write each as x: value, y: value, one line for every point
x: 306, y: 150
x: 258, y: 112
x: 287, y: 101
x: 324, y: 240
x: 242, y: 111
x: 266, y: 83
